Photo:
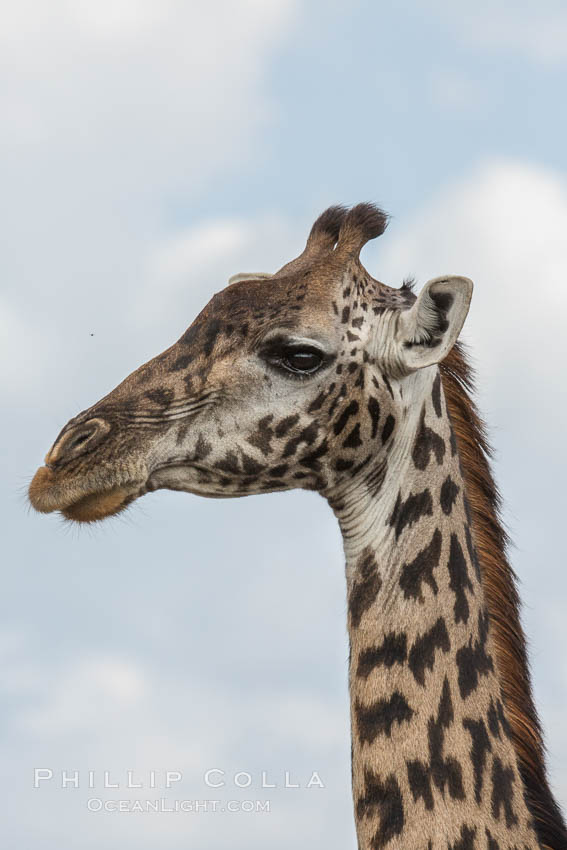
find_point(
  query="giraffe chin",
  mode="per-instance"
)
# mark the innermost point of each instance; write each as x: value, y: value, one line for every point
x: 98, y: 506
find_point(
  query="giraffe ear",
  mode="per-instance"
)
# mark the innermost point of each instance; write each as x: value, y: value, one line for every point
x: 249, y: 276
x: 429, y: 329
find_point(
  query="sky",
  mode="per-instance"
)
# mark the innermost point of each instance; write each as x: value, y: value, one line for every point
x: 150, y: 149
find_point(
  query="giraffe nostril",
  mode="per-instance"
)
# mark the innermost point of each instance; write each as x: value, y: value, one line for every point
x: 79, y: 440
x: 76, y: 440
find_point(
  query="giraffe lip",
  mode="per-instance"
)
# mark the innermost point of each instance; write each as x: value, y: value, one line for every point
x: 47, y: 493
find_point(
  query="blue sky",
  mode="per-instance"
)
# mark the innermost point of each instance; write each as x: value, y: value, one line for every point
x: 150, y: 150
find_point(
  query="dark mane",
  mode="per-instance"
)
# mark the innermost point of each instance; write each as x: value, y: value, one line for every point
x: 500, y: 584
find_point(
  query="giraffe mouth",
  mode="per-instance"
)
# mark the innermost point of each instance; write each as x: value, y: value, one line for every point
x: 47, y: 494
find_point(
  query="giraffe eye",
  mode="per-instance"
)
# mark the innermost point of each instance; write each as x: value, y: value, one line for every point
x: 304, y: 360
x: 297, y: 358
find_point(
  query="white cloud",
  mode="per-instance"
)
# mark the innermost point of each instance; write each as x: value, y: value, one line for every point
x: 537, y: 31
x: 126, y: 19
x: 138, y: 94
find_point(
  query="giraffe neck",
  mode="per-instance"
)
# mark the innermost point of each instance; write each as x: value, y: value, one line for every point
x: 432, y: 763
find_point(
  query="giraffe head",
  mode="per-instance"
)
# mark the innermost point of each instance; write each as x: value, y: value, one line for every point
x: 286, y: 380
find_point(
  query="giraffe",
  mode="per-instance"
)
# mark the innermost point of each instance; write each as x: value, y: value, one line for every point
x: 323, y: 378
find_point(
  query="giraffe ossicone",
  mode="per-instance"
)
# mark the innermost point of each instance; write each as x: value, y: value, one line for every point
x: 320, y: 377
x: 236, y: 278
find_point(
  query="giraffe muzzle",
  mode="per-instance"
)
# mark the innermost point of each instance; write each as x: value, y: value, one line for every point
x: 61, y: 486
